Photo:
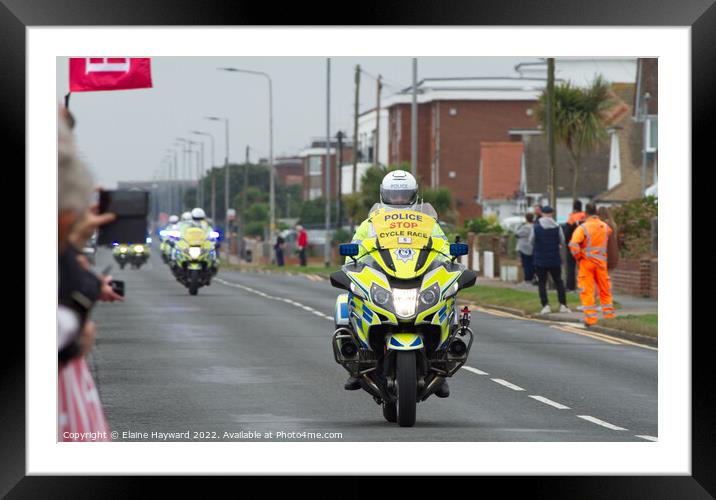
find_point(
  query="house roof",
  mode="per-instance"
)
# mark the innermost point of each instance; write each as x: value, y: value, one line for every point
x: 500, y: 169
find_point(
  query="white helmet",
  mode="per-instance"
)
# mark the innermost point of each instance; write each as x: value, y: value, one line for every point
x: 399, y: 188
x: 173, y: 219
x: 198, y: 214
x: 186, y: 216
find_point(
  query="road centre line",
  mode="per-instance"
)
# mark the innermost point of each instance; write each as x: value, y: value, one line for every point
x: 507, y: 384
x: 549, y: 402
x: 474, y: 370
x: 280, y: 299
x: 597, y: 421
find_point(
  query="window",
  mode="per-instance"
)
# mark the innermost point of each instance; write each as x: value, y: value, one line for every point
x: 314, y: 193
x: 314, y: 165
x: 651, y: 134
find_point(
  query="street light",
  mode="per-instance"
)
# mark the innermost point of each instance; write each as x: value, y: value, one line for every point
x: 183, y: 143
x: 272, y: 189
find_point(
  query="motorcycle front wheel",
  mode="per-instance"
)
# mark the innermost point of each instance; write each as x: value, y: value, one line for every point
x: 193, y: 282
x: 407, y: 381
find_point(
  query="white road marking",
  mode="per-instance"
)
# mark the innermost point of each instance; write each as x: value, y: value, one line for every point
x: 474, y: 370
x: 549, y: 402
x: 594, y: 420
x: 648, y: 438
x: 507, y: 384
x: 280, y: 299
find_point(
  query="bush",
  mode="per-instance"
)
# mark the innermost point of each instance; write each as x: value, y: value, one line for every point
x: 484, y: 225
x: 633, y: 221
x: 340, y: 236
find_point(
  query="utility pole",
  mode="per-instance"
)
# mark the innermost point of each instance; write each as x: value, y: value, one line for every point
x: 376, y: 149
x: 355, y: 131
x: 550, y: 135
x: 339, y: 179
x: 327, y: 244
x: 414, y: 122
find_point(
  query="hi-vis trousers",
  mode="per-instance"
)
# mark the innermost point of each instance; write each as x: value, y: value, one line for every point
x: 591, y: 275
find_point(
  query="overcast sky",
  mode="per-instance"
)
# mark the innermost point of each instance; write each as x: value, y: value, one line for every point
x: 123, y: 135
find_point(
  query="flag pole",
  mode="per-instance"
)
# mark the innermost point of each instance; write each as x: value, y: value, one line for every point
x: 67, y: 100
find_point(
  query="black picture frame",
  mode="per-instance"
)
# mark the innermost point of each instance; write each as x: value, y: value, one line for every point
x: 700, y: 15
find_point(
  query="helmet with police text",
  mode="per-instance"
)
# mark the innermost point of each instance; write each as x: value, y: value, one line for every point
x: 198, y: 214
x: 399, y: 188
x: 186, y: 216
x: 173, y: 219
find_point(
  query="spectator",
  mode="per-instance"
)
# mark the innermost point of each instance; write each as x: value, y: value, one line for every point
x: 537, y: 211
x: 80, y: 413
x: 278, y: 247
x: 575, y: 219
x: 546, y: 239
x: 524, y: 248
x: 302, y: 243
x: 613, y: 241
x: 589, y: 247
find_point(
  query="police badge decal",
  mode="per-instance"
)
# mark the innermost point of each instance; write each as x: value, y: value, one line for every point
x: 404, y: 254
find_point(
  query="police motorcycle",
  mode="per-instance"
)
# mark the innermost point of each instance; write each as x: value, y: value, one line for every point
x: 194, y: 260
x: 398, y: 328
x: 165, y: 239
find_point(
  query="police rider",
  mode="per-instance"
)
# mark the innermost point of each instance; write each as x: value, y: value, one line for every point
x: 399, y: 191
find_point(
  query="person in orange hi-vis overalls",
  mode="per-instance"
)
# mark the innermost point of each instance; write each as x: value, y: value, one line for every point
x: 589, y: 248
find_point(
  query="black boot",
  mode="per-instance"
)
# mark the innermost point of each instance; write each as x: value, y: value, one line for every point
x: 443, y: 391
x: 352, y: 384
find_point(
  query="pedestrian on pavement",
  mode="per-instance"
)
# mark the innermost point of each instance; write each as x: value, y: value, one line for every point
x: 524, y: 248
x: 547, y: 238
x: 589, y: 248
x: 278, y: 248
x: 613, y: 243
x: 302, y: 243
x: 537, y: 211
x: 575, y: 219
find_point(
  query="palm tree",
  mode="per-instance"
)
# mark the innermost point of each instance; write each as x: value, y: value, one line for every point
x: 580, y: 119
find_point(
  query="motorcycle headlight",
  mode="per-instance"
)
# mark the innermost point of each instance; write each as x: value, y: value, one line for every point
x: 138, y: 248
x: 194, y: 252
x: 123, y: 250
x: 429, y: 297
x: 380, y: 296
x: 405, y: 300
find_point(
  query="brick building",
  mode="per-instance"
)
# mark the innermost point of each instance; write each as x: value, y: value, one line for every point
x: 314, y: 167
x: 456, y: 115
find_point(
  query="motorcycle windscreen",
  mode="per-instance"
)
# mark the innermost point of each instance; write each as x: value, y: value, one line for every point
x: 401, y: 235
x: 402, y: 228
x: 194, y: 236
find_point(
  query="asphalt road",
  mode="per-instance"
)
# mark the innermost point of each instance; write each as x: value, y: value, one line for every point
x: 251, y: 355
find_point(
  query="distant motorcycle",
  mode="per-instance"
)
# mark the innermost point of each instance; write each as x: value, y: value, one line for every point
x: 398, y: 328
x: 134, y: 254
x: 194, y: 262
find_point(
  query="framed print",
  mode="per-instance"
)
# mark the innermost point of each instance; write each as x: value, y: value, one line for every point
x: 427, y: 232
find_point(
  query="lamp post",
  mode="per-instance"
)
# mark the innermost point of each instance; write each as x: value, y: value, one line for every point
x: 272, y: 189
x: 213, y: 179
x: 182, y: 174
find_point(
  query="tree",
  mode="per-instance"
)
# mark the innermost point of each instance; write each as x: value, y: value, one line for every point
x: 579, y: 119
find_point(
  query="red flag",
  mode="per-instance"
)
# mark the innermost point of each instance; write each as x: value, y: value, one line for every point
x: 109, y: 73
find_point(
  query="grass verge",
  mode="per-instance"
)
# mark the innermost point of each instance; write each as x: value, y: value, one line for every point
x: 523, y: 300
x: 642, y: 324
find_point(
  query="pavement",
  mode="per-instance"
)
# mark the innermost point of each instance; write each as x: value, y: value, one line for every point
x: 629, y: 304
x: 251, y: 354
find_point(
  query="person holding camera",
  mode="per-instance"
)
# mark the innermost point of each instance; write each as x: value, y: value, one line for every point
x: 79, y: 410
